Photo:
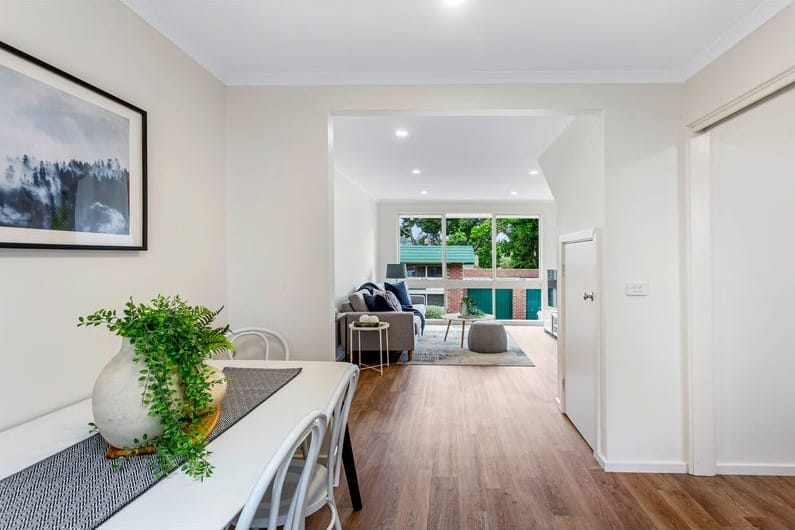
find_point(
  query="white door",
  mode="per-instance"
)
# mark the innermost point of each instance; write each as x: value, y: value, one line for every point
x: 579, y: 327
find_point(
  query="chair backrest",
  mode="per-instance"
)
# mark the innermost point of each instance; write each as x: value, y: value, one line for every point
x: 337, y: 414
x: 312, y: 429
x: 263, y: 335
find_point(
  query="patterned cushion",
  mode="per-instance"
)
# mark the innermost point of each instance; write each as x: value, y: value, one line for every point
x: 393, y: 301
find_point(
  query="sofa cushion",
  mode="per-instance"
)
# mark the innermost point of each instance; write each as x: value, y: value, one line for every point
x: 377, y: 302
x: 394, y: 303
x: 400, y: 291
x: 357, y: 301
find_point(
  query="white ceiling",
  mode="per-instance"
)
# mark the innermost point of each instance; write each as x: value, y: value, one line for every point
x: 461, y: 158
x: 308, y: 42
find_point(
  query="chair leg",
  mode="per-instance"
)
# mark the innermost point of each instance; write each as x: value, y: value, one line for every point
x: 335, y: 516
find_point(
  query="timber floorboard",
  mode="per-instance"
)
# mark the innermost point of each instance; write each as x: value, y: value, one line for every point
x: 454, y: 447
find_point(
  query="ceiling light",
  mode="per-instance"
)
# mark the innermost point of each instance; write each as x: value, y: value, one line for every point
x: 424, y: 192
x: 453, y: 3
x: 534, y: 172
x: 514, y: 192
x: 415, y: 171
x: 401, y: 133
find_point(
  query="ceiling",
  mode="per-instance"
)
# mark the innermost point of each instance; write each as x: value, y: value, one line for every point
x: 460, y: 158
x: 310, y: 42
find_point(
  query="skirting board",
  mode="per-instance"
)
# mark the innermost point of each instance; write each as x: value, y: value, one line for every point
x: 641, y: 466
x: 730, y: 468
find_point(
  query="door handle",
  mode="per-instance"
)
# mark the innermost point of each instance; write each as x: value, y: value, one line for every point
x: 588, y: 296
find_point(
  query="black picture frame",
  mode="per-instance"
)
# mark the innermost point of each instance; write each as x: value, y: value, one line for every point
x: 91, y: 230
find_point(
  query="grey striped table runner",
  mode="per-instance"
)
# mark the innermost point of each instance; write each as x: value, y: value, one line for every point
x: 79, y: 488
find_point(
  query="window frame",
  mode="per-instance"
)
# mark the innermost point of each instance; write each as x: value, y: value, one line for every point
x: 494, y: 283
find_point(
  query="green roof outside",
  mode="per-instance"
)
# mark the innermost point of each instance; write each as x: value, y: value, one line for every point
x: 433, y: 254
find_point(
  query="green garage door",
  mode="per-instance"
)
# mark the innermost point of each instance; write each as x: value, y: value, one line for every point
x: 483, y: 300
x: 504, y: 304
x: 533, y: 303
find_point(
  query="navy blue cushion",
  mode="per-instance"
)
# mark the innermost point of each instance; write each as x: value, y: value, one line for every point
x: 377, y: 302
x: 400, y: 290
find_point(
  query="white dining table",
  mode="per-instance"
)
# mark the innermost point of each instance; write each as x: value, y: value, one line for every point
x: 239, y: 455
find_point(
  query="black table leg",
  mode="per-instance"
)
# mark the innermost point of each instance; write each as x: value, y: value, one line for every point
x: 350, y: 471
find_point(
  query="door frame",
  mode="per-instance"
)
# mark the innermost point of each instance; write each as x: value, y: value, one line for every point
x: 591, y: 234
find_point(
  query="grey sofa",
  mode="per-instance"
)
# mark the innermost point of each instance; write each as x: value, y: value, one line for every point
x: 405, y: 328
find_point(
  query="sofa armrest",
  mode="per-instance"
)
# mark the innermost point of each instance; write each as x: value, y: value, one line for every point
x: 418, y: 299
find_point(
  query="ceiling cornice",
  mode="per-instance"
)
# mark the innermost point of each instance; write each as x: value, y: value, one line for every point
x: 730, y: 38
x: 452, y: 78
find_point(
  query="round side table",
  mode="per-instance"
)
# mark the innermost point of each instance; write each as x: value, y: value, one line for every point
x: 457, y: 317
x: 382, y: 327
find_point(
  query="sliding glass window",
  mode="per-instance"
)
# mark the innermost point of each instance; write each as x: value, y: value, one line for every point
x: 492, y: 259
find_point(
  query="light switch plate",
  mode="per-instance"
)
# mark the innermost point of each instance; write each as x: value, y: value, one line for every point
x: 637, y: 288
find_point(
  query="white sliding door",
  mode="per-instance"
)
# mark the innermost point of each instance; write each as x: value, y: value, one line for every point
x: 752, y: 181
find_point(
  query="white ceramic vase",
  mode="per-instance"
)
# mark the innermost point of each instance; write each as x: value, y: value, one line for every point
x: 119, y: 413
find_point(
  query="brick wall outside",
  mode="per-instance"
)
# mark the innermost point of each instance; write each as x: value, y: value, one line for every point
x: 455, y: 271
x: 501, y: 273
x: 519, y: 305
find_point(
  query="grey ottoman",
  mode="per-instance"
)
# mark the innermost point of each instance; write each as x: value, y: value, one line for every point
x: 487, y: 337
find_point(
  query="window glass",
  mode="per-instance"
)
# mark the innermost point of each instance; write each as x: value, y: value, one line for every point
x: 517, y: 247
x: 469, y: 247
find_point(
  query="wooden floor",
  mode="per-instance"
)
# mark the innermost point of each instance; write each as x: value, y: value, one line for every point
x: 485, y: 447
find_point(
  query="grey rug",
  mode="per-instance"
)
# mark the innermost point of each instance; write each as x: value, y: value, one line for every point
x: 432, y: 349
x: 79, y: 488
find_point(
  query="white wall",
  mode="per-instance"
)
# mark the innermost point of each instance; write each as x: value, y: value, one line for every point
x: 574, y: 168
x: 354, y: 237
x: 753, y: 161
x: 278, y: 153
x: 388, y: 213
x: 45, y: 360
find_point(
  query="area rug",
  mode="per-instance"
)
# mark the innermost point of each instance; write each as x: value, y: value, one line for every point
x: 432, y: 349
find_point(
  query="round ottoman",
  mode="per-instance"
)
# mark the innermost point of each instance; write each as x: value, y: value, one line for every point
x: 487, y: 337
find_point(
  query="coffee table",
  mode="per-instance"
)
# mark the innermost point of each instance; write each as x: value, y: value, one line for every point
x: 457, y: 317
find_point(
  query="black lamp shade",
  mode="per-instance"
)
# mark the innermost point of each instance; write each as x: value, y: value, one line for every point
x: 396, y: 270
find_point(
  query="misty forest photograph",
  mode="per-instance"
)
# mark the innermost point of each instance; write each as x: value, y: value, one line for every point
x: 64, y: 162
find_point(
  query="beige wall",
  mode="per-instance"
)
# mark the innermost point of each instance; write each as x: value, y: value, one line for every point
x: 45, y: 360
x: 278, y: 165
x: 762, y: 55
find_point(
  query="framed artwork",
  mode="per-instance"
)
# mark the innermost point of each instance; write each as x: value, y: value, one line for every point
x: 72, y: 161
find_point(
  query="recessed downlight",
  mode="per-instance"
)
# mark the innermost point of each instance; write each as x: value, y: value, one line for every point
x: 401, y: 133
x: 424, y: 192
x: 416, y: 171
x: 514, y: 192
x: 453, y: 3
x: 534, y: 172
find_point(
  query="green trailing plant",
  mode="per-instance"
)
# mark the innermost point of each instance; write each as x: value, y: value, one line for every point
x: 472, y: 306
x: 172, y: 340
